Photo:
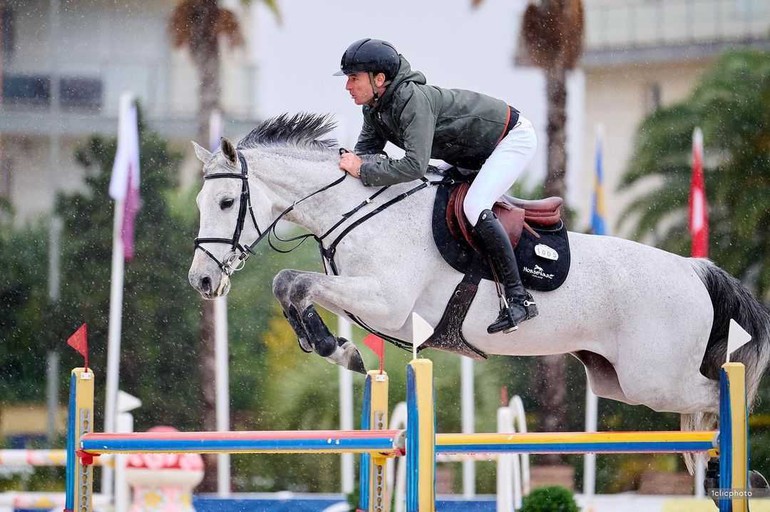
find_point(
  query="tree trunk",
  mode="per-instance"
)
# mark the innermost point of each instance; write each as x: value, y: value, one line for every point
x: 556, y: 94
x: 552, y: 395
x: 205, y: 53
x: 552, y: 383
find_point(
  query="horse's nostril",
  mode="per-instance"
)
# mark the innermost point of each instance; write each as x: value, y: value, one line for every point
x: 206, y: 284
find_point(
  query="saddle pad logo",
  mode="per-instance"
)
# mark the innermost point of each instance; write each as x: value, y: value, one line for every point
x: 546, y: 252
x: 537, y: 272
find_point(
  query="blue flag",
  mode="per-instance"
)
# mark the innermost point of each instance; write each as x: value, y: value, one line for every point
x: 597, y: 203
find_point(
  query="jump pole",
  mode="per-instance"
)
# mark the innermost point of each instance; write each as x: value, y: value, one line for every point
x: 373, y: 495
x: 80, y: 421
x: 423, y: 443
x: 421, y: 437
x: 83, y: 445
x: 733, y: 437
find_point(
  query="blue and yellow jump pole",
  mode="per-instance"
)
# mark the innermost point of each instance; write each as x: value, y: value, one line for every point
x: 80, y: 422
x: 733, y: 438
x: 373, y: 495
x: 422, y: 443
x: 421, y: 437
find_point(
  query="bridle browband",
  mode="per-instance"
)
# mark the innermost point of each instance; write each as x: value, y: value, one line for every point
x: 239, y: 252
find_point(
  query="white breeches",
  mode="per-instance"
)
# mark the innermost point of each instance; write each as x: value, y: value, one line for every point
x: 501, y: 170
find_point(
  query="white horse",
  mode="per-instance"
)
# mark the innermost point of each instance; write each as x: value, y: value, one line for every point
x: 649, y: 326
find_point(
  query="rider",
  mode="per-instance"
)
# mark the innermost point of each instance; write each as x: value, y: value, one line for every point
x: 467, y: 129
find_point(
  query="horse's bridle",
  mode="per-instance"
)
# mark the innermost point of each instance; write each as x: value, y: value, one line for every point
x: 239, y: 252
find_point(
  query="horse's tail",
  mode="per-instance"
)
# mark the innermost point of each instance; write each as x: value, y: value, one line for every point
x: 696, y: 422
x: 731, y: 300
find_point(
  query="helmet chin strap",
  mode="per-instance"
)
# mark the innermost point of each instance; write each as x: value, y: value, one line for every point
x: 376, y: 97
x: 374, y: 88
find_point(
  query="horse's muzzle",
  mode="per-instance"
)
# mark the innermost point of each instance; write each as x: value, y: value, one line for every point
x: 208, y: 286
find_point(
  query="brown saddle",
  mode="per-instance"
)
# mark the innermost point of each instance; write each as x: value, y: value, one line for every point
x: 514, y: 214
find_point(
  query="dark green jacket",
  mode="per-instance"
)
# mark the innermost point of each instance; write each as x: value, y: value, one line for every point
x: 457, y: 126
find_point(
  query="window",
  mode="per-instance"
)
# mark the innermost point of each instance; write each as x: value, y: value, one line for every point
x: 27, y: 89
x: 79, y: 92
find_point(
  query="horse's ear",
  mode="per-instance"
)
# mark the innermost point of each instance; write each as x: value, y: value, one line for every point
x: 229, y: 151
x: 203, y: 154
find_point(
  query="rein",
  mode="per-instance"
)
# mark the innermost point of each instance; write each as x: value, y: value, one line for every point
x: 236, y: 260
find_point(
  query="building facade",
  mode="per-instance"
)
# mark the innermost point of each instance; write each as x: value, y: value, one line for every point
x: 643, y: 54
x: 64, y: 66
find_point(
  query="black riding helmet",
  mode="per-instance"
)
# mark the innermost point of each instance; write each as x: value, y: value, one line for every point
x: 371, y: 56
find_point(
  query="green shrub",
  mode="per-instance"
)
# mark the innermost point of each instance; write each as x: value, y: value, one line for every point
x: 550, y: 499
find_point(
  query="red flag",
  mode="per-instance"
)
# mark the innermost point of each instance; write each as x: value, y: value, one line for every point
x: 376, y: 345
x: 699, y: 223
x: 79, y: 341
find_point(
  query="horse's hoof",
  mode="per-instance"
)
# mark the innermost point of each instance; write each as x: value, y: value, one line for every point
x: 352, y: 356
x: 304, y: 345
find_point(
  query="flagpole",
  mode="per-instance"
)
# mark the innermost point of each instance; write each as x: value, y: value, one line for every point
x: 113, y: 339
x: 598, y: 225
x: 221, y: 345
x: 116, y: 279
x: 699, y: 249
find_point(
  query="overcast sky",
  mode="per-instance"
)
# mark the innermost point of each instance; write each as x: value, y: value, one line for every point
x: 452, y: 44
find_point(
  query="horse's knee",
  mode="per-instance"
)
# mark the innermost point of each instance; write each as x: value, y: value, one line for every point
x: 300, y: 288
x: 282, y: 284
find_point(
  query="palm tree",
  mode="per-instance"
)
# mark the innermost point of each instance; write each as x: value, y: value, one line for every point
x: 198, y: 25
x: 730, y: 104
x: 551, y: 38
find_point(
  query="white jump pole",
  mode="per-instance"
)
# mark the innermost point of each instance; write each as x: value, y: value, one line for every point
x: 347, y: 467
x: 468, y: 412
x: 589, y: 459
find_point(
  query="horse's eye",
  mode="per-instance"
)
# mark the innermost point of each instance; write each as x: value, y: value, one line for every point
x: 226, y: 203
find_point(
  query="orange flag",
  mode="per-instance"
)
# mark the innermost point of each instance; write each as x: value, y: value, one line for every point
x: 79, y: 341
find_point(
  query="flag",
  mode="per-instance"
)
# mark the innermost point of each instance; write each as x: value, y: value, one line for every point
x: 79, y: 341
x: 736, y: 338
x: 598, y: 226
x: 216, y: 129
x: 124, y: 184
x: 375, y: 344
x: 699, y: 217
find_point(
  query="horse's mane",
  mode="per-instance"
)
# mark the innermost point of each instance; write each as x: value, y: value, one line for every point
x: 302, y: 130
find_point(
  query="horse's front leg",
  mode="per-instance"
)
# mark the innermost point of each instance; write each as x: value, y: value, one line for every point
x: 298, y: 291
x: 281, y: 289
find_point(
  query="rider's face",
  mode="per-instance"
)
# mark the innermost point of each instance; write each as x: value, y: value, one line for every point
x: 360, y: 87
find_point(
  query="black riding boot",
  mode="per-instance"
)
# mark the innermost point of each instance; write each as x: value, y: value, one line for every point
x: 518, y: 305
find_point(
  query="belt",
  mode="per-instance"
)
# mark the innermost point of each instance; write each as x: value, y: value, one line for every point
x: 513, y: 118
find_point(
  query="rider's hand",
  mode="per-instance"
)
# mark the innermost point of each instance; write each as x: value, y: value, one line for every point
x: 351, y: 164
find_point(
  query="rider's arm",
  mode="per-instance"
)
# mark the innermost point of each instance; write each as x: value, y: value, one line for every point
x: 417, y: 125
x: 370, y: 142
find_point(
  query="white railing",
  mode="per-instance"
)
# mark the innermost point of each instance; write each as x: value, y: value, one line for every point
x: 644, y: 23
x: 513, y: 476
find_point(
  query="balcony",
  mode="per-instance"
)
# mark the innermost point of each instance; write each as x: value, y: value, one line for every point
x: 82, y: 98
x: 620, y: 32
